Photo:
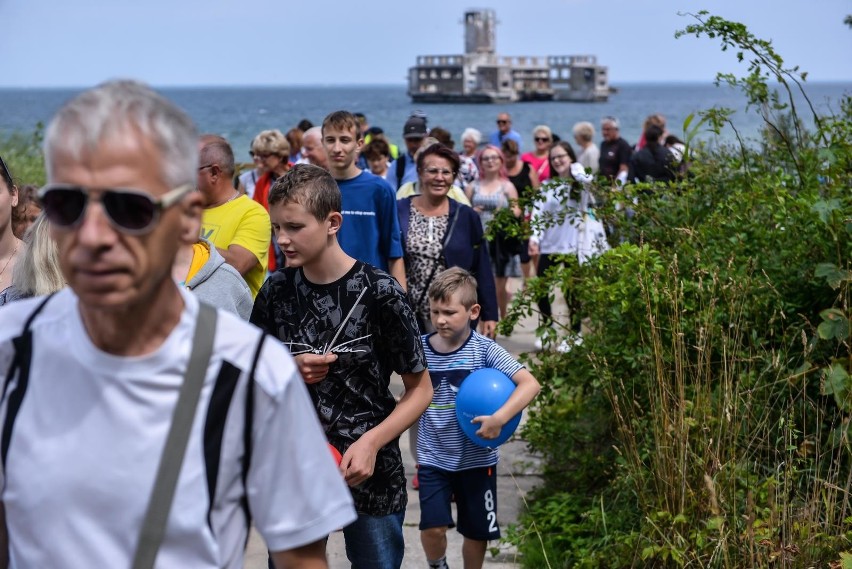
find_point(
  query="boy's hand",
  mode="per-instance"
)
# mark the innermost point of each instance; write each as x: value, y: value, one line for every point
x: 491, y: 426
x: 359, y: 461
x: 314, y: 367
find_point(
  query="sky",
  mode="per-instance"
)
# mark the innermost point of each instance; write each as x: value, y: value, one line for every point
x: 79, y: 43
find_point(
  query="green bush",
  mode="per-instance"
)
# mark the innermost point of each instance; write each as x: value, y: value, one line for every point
x: 705, y: 420
x: 23, y: 155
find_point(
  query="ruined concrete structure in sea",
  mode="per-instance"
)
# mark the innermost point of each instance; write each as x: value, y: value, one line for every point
x: 479, y: 75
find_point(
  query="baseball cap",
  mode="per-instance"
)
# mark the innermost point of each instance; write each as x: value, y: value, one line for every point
x: 415, y: 127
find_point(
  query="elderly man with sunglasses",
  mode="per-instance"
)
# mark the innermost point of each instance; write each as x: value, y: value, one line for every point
x: 504, y: 131
x: 140, y: 427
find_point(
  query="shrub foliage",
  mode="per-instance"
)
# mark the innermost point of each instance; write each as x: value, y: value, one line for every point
x: 705, y: 420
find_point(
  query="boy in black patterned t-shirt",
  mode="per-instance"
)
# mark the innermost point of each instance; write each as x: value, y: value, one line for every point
x: 349, y: 326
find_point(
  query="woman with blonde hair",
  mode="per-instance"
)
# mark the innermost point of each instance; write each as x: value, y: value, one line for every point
x: 492, y: 192
x: 538, y: 159
x: 589, y: 155
x: 37, y: 272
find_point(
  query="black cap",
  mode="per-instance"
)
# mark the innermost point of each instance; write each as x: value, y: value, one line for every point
x: 415, y: 127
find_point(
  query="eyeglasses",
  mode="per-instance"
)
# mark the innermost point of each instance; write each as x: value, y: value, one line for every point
x: 200, y: 168
x: 558, y: 157
x: 541, y: 139
x: 439, y: 172
x: 489, y: 158
x: 130, y: 211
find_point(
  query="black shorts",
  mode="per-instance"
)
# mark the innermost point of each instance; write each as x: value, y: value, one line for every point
x: 501, y: 257
x: 475, y: 492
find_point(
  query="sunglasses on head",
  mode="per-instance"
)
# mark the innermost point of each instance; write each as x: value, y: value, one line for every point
x: 130, y: 211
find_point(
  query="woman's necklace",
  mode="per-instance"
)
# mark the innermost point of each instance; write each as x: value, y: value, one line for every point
x: 9, y: 260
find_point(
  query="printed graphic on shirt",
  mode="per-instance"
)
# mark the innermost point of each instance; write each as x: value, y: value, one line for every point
x: 365, y: 319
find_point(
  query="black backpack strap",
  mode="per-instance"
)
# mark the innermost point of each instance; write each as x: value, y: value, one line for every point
x: 247, y: 428
x: 400, y: 169
x: 20, y: 365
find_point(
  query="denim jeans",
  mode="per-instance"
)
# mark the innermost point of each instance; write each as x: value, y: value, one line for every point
x: 375, y: 542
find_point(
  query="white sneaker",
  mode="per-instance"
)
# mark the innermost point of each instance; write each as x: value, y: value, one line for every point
x: 568, y: 344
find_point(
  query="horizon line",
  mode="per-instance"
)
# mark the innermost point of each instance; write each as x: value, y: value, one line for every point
x: 374, y: 85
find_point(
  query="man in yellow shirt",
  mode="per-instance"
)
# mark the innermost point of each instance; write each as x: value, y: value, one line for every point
x: 238, y: 226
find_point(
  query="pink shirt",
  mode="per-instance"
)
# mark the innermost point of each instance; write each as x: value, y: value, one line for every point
x: 540, y: 165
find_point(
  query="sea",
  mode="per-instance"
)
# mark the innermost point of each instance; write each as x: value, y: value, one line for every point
x: 239, y: 113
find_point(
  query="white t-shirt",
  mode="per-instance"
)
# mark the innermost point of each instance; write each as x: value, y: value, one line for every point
x: 89, y: 434
x: 556, y: 219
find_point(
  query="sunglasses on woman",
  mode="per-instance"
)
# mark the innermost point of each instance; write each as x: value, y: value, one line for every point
x: 130, y: 211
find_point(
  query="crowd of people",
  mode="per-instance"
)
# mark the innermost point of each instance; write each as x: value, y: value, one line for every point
x: 361, y: 257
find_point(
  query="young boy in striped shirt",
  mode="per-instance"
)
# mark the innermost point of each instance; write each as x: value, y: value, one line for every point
x: 451, y: 466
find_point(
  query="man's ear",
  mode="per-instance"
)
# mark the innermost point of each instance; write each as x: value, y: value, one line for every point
x: 335, y: 220
x: 191, y: 212
x: 474, y: 311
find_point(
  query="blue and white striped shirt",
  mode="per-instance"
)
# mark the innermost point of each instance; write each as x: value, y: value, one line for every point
x: 440, y: 441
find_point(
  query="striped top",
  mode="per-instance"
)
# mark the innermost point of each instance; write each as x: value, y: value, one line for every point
x: 440, y: 441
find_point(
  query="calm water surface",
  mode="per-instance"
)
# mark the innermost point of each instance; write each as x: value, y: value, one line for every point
x: 238, y: 113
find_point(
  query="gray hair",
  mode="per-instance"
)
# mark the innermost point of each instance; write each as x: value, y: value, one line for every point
x: 37, y: 272
x: 610, y: 121
x: 313, y: 131
x: 216, y: 150
x: 472, y: 134
x: 125, y: 108
x: 585, y: 131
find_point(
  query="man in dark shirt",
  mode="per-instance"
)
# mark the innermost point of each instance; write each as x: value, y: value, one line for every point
x: 615, y: 151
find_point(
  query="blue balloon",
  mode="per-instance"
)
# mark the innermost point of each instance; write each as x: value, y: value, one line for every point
x: 483, y: 392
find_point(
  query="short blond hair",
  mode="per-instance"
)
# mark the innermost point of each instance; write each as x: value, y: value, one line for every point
x: 451, y: 281
x: 584, y: 131
x: 271, y: 142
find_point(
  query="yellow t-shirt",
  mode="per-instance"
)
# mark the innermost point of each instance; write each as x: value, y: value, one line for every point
x: 241, y: 222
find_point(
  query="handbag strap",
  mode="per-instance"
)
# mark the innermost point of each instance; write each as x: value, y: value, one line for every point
x: 160, y: 504
x: 446, y: 240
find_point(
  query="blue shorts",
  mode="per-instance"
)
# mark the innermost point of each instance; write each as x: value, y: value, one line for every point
x: 475, y: 492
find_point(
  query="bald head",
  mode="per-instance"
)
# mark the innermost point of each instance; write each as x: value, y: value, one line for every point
x: 312, y: 149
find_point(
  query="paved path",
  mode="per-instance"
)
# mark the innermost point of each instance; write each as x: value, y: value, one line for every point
x: 516, y: 475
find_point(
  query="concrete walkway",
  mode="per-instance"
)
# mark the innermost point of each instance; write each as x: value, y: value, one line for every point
x: 516, y: 476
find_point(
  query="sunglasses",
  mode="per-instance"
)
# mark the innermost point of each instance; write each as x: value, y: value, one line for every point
x: 542, y: 139
x: 502, y: 122
x: 133, y: 212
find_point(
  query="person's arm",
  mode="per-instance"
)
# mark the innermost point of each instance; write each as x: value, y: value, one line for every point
x: 311, y: 556
x: 535, y: 182
x: 527, y: 387
x: 359, y: 460
x: 481, y: 268
x: 240, y: 258
x: 624, y: 163
x: 512, y: 195
x: 396, y: 268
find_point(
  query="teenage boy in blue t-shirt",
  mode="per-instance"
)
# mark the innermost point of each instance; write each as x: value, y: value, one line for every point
x: 348, y: 326
x: 370, y: 231
x: 450, y: 464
